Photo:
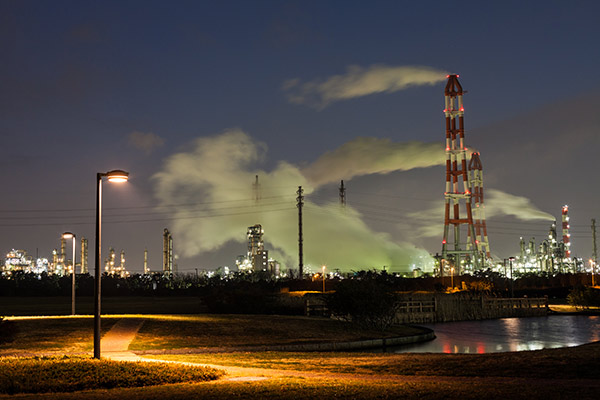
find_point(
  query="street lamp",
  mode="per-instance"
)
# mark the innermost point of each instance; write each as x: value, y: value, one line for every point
x: 323, y: 279
x: 69, y: 235
x: 116, y: 175
x: 512, y: 290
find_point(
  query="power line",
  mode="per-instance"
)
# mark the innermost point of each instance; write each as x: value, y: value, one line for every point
x: 108, y: 221
x: 137, y: 207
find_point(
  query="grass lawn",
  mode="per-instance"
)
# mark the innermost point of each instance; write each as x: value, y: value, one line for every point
x: 423, y: 376
x: 50, y: 334
x: 565, y: 363
x: 225, y: 331
x: 544, y: 374
x: 74, y: 334
x: 328, y: 388
x: 57, y: 305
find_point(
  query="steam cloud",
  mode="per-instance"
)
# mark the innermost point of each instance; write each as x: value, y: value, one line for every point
x: 358, y: 82
x: 209, y: 180
x: 368, y: 155
x: 501, y: 203
x: 497, y: 203
x: 147, y: 142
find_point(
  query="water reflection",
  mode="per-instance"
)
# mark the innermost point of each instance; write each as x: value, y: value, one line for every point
x: 509, y: 334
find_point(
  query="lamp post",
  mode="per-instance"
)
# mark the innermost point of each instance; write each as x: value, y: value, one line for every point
x: 69, y: 235
x: 323, y: 279
x: 112, y: 176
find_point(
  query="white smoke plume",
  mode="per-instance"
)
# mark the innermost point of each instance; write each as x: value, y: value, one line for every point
x: 209, y: 190
x: 497, y: 203
x: 358, y: 82
x: 501, y: 203
x: 368, y: 155
x: 145, y: 141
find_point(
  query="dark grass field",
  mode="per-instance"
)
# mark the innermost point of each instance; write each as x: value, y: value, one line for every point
x: 55, y: 334
x: 56, y: 305
x: 569, y: 373
x: 582, y: 362
x: 230, y: 331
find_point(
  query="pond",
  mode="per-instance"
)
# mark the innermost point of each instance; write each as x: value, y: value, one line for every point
x: 508, y: 334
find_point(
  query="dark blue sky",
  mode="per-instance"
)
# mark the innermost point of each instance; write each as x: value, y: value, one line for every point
x: 78, y: 78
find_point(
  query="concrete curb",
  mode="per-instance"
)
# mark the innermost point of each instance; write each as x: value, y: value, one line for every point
x: 358, y: 344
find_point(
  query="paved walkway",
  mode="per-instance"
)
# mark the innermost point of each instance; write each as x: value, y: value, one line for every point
x: 116, y: 342
x: 118, y: 338
x: 115, y: 345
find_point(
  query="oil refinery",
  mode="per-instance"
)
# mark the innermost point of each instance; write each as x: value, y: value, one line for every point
x: 465, y: 245
x: 464, y: 195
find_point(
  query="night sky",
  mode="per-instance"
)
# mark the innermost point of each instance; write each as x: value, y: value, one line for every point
x: 195, y: 98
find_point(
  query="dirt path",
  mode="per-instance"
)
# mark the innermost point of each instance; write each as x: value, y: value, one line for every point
x: 116, y: 342
x: 241, y: 374
x: 118, y: 338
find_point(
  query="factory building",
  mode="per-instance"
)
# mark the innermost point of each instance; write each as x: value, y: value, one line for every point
x: 257, y: 258
x: 84, y: 256
x: 18, y: 260
x: 550, y: 256
x: 111, y: 267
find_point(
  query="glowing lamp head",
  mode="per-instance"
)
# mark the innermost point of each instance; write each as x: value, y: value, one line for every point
x: 117, y: 176
x: 68, y: 235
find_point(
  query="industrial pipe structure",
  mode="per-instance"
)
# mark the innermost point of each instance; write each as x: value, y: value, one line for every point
x: 476, y: 184
x: 565, y: 231
x: 458, y: 190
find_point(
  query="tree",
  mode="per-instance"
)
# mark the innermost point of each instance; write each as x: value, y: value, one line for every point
x: 369, y: 301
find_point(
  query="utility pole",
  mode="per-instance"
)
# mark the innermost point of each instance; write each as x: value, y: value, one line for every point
x: 512, y: 290
x: 342, y: 194
x: 300, y: 203
x: 594, y: 252
x: 256, y: 190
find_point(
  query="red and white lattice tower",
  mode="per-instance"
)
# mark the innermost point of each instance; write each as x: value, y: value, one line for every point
x: 565, y: 231
x: 476, y: 185
x: 458, y: 193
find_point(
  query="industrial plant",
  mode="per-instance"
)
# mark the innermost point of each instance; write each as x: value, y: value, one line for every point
x: 465, y: 246
x: 61, y: 265
x: 257, y: 258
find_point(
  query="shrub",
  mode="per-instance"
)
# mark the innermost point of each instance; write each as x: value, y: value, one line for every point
x: 39, y: 375
x: 584, y: 297
x: 369, y: 302
x: 7, y: 331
